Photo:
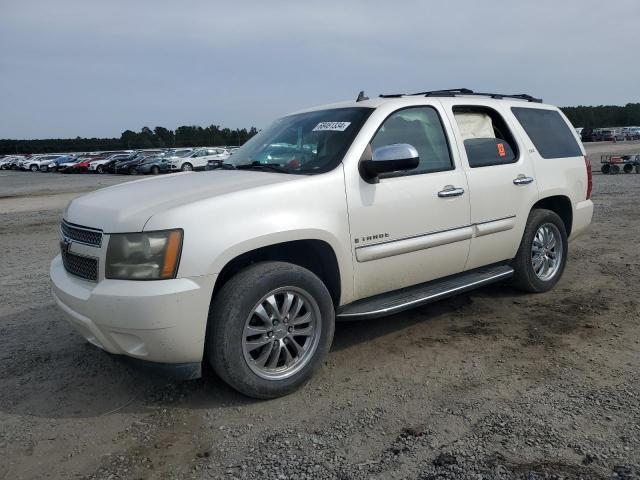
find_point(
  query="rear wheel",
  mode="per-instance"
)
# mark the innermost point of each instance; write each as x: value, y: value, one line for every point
x: 133, y: 171
x: 542, y: 254
x: 615, y: 169
x: 270, y: 327
x: 187, y: 167
x: 43, y: 168
x: 34, y: 168
x: 606, y: 169
x: 637, y: 168
x: 100, y: 169
x: 628, y: 168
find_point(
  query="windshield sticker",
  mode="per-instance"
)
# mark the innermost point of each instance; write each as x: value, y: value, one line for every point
x: 331, y: 126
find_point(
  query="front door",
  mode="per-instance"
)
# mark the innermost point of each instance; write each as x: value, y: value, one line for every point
x: 411, y: 226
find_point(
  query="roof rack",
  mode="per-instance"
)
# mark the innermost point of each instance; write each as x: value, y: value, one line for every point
x: 454, y: 92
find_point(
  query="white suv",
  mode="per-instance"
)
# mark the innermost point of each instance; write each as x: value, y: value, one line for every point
x: 197, y: 160
x: 348, y: 211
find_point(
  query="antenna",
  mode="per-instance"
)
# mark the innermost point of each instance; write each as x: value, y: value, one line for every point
x: 361, y: 97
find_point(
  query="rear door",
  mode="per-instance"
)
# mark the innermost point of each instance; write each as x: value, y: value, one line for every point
x: 502, y: 183
x: 557, y: 154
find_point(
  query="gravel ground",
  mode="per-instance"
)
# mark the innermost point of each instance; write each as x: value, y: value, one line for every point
x: 493, y: 384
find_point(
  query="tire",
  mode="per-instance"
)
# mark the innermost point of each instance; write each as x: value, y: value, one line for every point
x: 615, y: 169
x: 186, y: 167
x: 44, y: 168
x: 233, y: 309
x: 525, y: 276
x: 155, y: 170
x: 628, y: 168
x: 606, y: 169
x: 132, y: 171
x: 100, y: 169
x: 34, y: 168
x: 637, y: 168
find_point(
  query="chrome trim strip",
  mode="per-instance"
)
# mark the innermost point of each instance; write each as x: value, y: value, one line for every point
x: 402, y: 306
x: 494, y: 226
x: 398, y: 247
x: 390, y: 248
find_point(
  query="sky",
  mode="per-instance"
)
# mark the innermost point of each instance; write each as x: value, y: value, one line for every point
x: 96, y: 68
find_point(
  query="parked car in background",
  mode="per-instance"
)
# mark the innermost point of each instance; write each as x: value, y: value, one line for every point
x: 35, y: 163
x: 154, y: 165
x: 10, y: 162
x: 128, y: 166
x: 77, y: 165
x: 588, y: 135
x: 197, y: 159
x: 52, y: 165
x: 102, y: 165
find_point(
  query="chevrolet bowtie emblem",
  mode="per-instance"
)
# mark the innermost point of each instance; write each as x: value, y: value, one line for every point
x: 65, y: 244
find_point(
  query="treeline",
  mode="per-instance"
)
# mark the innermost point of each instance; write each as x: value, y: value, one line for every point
x: 604, y: 115
x: 185, y: 136
x: 214, y: 135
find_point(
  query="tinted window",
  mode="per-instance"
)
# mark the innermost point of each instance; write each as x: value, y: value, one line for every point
x: 421, y: 128
x: 548, y: 131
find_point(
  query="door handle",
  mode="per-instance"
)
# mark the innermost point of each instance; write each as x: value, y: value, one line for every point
x: 450, y: 191
x: 522, y: 180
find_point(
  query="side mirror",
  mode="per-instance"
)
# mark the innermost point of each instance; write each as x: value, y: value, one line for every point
x: 389, y: 158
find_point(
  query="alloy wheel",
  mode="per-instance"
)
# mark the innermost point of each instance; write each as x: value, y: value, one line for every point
x: 281, y: 333
x: 546, y: 251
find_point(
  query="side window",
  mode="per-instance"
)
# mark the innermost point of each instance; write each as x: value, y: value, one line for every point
x: 486, y: 137
x: 548, y: 131
x: 420, y: 127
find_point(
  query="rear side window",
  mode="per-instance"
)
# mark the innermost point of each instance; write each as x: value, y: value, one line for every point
x: 548, y: 131
x: 486, y: 137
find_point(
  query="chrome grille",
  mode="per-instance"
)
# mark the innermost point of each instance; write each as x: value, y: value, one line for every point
x: 80, y: 266
x: 88, y: 236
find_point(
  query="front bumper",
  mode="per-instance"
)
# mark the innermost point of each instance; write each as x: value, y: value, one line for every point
x: 160, y: 321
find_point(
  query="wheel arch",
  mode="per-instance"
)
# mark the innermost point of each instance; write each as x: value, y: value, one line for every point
x: 315, y: 255
x: 560, y: 204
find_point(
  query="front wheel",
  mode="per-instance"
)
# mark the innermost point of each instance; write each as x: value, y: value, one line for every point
x: 34, y: 168
x: 187, y: 167
x: 542, y: 254
x: 133, y: 171
x: 100, y: 169
x: 270, y: 327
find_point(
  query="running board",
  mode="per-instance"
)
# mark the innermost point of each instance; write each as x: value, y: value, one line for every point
x: 416, y: 295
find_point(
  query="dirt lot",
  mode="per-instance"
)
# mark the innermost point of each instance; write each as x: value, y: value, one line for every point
x: 492, y: 384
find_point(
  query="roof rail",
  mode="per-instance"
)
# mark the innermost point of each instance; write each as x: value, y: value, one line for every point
x: 454, y: 92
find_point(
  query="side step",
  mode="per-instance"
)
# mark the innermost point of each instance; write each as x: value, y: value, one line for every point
x: 416, y: 295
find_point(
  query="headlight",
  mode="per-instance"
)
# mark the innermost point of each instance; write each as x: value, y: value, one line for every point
x: 144, y: 256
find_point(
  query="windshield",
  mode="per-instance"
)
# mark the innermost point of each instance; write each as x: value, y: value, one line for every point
x: 306, y: 143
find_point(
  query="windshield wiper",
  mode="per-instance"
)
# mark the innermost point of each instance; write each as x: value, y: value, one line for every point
x: 273, y: 167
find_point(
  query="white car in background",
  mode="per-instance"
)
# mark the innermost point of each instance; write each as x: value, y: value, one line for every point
x: 98, y: 165
x: 198, y: 158
x: 34, y: 164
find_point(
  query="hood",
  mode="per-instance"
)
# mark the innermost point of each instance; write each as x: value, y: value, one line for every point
x: 127, y: 207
